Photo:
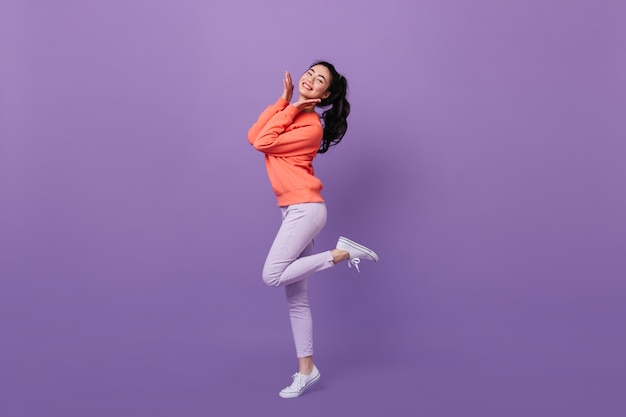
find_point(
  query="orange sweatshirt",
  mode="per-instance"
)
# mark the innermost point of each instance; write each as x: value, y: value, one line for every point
x: 290, y: 140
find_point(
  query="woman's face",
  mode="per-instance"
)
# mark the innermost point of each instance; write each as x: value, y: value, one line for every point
x: 314, y: 82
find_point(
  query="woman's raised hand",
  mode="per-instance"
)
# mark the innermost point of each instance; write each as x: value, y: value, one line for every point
x: 288, y: 87
x: 311, y: 102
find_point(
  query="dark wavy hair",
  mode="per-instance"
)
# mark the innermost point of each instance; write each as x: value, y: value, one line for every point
x: 335, y: 118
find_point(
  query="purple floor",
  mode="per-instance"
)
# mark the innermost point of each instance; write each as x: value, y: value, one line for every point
x: 179, y: 350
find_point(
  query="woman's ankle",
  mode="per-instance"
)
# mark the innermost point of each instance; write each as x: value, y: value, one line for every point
x: 305, y: 365
x: 339, y: 255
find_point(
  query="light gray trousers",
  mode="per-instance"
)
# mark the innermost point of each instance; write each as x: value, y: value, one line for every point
x: 291, y: 260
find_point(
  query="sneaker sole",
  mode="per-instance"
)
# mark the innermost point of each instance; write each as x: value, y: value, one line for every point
x: 362, y: 248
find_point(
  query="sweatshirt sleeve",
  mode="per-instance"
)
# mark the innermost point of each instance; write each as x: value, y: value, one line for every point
x: 274, y: 139
x: 265, y: 117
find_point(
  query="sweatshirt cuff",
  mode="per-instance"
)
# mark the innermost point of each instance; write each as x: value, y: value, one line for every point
x: 281, y: 103
x: 291, y: 111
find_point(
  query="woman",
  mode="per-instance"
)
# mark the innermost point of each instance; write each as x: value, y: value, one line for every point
x: 290, y: 136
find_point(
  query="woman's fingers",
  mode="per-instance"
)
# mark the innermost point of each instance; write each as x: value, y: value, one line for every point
x: 287, y: 87
x: 307, y: 103
x: 287, y: 79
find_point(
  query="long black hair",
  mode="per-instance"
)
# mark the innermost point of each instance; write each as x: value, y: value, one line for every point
x: 335, y: 118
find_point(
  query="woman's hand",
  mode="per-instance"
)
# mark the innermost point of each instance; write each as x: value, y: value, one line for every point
x: 288, y: 87
x: 301, y: 105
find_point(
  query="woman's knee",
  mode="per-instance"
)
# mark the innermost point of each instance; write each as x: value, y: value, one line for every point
x: 271, y: 278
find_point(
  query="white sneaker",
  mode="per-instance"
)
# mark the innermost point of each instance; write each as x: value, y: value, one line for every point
x: 357, y: 252
x: 300, y: 383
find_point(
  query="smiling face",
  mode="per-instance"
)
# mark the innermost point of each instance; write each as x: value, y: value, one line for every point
x: 314, y: 83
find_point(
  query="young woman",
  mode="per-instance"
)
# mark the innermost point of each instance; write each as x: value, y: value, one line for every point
x: 290, y: 136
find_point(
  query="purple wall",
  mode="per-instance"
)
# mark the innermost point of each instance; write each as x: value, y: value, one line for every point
x: 484, y: 163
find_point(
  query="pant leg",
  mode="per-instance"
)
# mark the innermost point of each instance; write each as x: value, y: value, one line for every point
x: 300, y: 313
x: 285, y: 263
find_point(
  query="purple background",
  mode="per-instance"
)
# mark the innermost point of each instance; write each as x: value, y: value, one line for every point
x: 484, y: 163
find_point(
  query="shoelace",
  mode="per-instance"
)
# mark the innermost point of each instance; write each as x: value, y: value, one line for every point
x: 299, y: 381
x: 355, y: 262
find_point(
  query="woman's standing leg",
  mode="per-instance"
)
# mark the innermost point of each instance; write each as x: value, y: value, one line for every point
x: 302, y: 329
x: 289, y: 262
x: 301, y: 320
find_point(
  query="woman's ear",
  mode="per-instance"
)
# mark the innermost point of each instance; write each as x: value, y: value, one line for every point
x: 326, y: 95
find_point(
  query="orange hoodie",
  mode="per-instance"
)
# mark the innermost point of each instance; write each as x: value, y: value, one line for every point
x: 290, y: 140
